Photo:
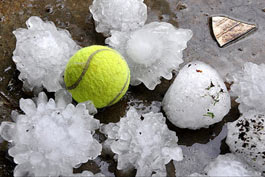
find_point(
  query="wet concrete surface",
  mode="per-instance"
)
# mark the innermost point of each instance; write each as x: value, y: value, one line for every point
x: 74, y: 16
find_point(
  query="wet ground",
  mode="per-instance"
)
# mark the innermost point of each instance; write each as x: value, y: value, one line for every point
x: 74, y: 16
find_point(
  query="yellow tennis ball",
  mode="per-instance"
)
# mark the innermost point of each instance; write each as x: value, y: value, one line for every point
x: 97, y: 73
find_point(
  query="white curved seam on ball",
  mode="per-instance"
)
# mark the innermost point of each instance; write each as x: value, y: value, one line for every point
x: 85, y: 69
x: 119, y: 94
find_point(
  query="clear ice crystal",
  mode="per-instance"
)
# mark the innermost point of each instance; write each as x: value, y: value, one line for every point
x: 152, y: 51
x: 51, y: 137
x: 246, y: 138
x: 41, y: 54
x: 229, y: 165
x: 249, y: 87
x: 143, y: 142
x: 118, y: 15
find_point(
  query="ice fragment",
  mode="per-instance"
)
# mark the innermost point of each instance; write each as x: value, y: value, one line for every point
x: 152, y: 51
x: 143, y: 142
x: 118, y: 15
x: 51, y: 137
x: 41, y: 54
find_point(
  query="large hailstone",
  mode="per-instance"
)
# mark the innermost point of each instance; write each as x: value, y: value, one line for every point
x: 246, y: 138
x: 248, y: 86
x: 144, y: 142
x: 41, y: 54
x: 85, y: 174
x: 197, y: 98
x: 152, y: 51
x: 118, y: 15
x: 229, y: 165
x: 52, y: 137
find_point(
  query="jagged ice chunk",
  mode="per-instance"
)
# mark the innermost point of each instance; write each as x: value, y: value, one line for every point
x: 152, y: 51
x: 249, y: 88
x: 51, y: 137
x: 142, y: 141
x: 85, y: 174
x: 118, y: 15
x: 41, y: 54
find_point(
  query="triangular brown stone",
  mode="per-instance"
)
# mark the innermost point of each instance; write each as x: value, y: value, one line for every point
x: 226, y: 30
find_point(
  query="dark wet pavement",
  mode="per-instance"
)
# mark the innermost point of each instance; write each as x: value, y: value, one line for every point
x: 74, y: 16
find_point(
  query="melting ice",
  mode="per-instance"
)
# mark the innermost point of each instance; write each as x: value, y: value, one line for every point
x: 152, y: 51
x: 41, y: 54
x: 118, y: 15
x: 249, y: 88
x: 51, y: 137
x: 143, y: 142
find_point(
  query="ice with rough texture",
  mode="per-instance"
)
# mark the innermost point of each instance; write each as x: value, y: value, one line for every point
x: 203, y: 47
x: 142, y: 107
x: 51, y: 137
x: 246, y: 138
x: 41, y: 54
x: 198, y: 156
x: 229, y: 165
x: 85, y: 174
x: 196, y: 174
x: 152, y: 52
x: 118, y: 15
x: 248, y: 85
x: 197, y: 98
x: 143, y: 142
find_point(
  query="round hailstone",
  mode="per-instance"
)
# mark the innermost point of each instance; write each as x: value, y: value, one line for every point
x: 41, y: 54
x: 51, y: 137
x: 152, y: 51
x: 197, y: 98
x: 143, y: 142
x: 249, y: 87
x: 246, y: 138
x: 229, y: 165
x: 118, y: 15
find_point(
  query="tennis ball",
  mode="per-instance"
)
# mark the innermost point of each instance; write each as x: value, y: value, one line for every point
x: 97, y: 73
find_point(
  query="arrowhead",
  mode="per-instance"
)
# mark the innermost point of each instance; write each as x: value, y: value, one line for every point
x: 226, y: 30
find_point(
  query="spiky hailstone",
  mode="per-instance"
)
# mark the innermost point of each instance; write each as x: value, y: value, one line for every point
x: 246, y: 138
x: 85, y: 174
x: 249, y: 88
x: 229, y: 165
x: 197, y: 98
x: 52, y: 137
x: 118, y: 15
x: 41, y: 54
x: 142, y: 141
x: 152, y: 51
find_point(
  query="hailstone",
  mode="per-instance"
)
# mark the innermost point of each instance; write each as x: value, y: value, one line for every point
x: 41, y: 54
x: 246, y: 138
x: 85, y: 174
x: 143, y: 142
x: 152, y: 51
x: 51, y: 137
x: 118, y: 15
x: 249, y: 87
x: 197, y: 98
x: 229, y: 165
